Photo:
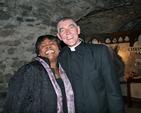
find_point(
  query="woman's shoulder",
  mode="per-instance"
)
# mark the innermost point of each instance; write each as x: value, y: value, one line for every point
x: 27, y: 71
x: 29, y: 66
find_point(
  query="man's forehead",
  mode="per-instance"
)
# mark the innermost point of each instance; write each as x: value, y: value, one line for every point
x: 66, y: 23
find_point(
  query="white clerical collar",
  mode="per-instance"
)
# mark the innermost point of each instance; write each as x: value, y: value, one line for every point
x: 73, y: 48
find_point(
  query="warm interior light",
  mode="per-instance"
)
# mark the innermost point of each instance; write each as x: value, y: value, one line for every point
x: 125, y: 54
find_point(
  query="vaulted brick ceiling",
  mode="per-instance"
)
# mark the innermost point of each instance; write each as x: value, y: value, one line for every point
x: 94, y: 16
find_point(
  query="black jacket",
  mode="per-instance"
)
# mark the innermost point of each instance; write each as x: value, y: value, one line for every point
x: 101, y: 87
x: 30, y: 91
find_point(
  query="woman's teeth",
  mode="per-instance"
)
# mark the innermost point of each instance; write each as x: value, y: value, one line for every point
x: 50, y: 51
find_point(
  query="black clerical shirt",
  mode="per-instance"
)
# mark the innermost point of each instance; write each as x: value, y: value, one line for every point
x: 76, y: 77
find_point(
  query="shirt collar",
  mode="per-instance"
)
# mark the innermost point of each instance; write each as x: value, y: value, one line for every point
x: 73, y: 48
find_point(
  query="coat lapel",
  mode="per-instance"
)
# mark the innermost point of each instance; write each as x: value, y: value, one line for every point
x: 67, y: 64
x: 88, y: 60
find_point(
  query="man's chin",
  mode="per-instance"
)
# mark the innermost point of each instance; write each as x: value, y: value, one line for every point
x: 70, y: 45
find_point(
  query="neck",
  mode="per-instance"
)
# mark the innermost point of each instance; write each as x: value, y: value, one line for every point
x: 56, y: 69
x: 72, y: 48
x: 79, y: 41
x: 53, y: 64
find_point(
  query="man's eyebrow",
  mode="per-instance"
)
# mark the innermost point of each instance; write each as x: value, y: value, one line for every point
x: 71, y: 25
x: 60, y: 29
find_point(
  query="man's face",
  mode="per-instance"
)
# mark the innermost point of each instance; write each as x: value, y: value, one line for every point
x: 68, y: 32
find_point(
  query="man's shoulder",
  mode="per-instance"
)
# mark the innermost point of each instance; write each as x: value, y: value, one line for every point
x: 95, y: 46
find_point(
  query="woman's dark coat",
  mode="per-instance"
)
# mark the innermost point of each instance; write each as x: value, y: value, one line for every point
x: 31, y: 91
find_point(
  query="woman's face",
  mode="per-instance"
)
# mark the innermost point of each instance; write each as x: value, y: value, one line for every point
x: 49, y: 49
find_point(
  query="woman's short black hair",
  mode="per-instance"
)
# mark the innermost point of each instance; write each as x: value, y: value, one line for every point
x: 40, y: 39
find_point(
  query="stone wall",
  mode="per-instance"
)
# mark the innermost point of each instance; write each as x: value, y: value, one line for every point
x: 23, y: 21
x: 17, y: 48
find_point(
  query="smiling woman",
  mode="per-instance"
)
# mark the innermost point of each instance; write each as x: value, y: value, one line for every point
x: 49, y: 47
x: 35, y: 88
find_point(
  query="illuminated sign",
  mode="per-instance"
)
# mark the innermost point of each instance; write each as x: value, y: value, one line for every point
x: 135, y: 49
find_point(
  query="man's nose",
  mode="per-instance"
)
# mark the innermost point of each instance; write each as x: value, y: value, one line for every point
x: 68, y: 31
